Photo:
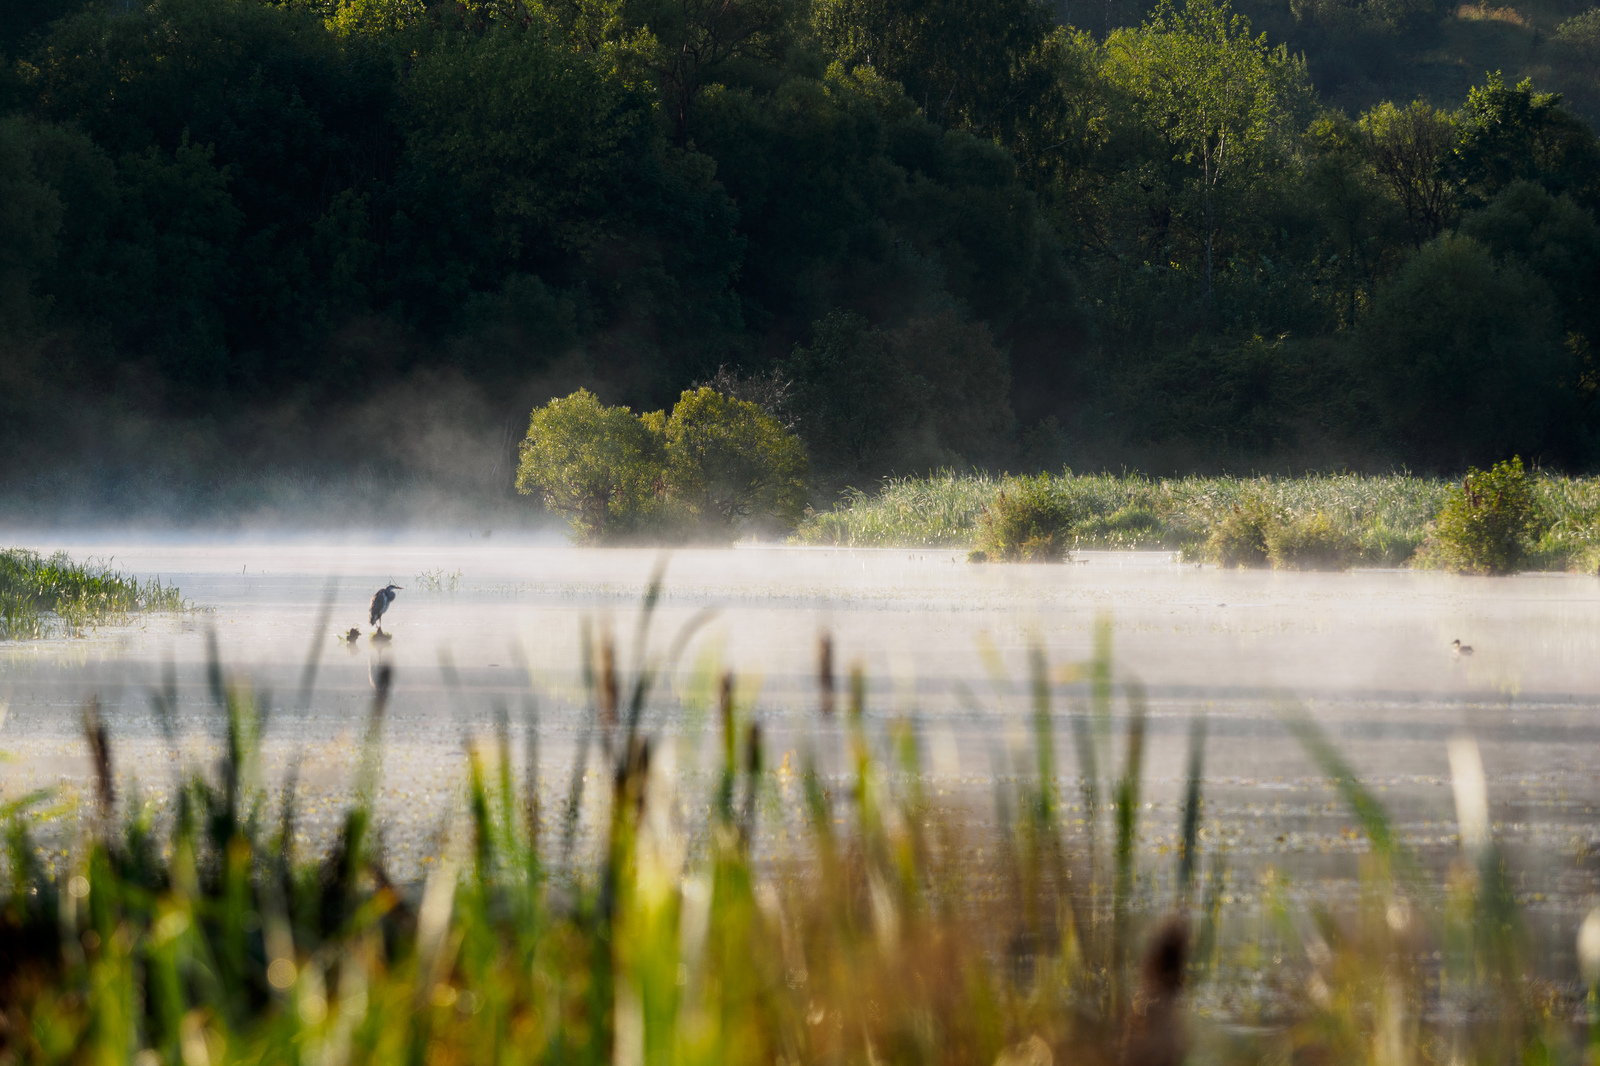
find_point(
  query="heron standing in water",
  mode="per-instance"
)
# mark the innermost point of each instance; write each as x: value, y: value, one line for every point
x: 380, y: 603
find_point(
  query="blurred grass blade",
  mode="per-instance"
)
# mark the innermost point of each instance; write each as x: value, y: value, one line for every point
x: 1471, y: 795
x: 1375, y: 821
x: 1189, y: 836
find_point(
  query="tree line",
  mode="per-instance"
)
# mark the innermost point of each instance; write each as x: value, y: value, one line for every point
x: 918, y: 232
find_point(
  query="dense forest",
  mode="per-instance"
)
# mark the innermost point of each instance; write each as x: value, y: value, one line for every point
x: 322, y: 235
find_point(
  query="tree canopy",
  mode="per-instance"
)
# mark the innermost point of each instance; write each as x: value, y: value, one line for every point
x: 947, y: 233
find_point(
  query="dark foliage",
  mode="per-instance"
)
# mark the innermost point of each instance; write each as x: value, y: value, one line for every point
x: 945, y: 231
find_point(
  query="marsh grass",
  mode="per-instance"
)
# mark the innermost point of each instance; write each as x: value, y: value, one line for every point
x: 41, y: 596
x: 891, y: 933
x: 437, y: 580
x: 1364, y: 521
x: 935, y: 512
x: 1025, y: 521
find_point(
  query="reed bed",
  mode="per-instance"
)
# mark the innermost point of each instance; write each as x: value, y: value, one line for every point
x: 888, y: 932
x: 1386, y: 518
x: 43, y: 596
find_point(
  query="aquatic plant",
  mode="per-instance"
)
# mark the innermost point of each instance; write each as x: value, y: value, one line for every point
x: 438, y: 580
x: 39, y: 596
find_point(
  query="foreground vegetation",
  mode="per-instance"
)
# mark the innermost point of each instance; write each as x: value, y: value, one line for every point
x: 40, y: 596
x: 1315, y: 521
x: 891, y: 930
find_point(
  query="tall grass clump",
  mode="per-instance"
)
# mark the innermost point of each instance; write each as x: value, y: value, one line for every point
x: 940, y: 511
x: 39, y: 596
x: 1254, y: 533
x: 890, y: 930
x: 1239, y: 537
x: 1488, y: 524
x: 1310, y: 542
x: 1026, y: 521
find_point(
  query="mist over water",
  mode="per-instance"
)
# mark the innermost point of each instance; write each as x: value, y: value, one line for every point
x: 1367, y: 654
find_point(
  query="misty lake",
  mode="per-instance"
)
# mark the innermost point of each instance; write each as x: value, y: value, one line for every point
x: 494, y: 622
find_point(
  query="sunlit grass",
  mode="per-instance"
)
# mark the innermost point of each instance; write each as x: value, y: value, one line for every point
x: 934, y: 512
x: 883, y: 928
x: 437, y: 580
x: 1386, y: 517
x: 40, y: 596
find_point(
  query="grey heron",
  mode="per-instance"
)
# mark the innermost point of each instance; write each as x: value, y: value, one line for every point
x: 380, y: 603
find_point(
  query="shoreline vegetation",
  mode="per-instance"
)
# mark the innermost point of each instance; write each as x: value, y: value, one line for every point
x: 752, y: 913
x: 41, y: 597
x: 1318, y: 521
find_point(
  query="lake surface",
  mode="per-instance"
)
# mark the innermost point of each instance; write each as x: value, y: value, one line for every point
x: 1366, y: 654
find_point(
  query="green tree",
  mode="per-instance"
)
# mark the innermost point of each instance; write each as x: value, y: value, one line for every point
x: 524, y: 156
x: 375, y: 16
x: 600, y: 466
x: 1410, y: 149
x: 730, y: 464
x: 538, y: 139
x: 1465, y: 356
x: 854, y: 398
x: 683, y: 46
x: 1554, y: 238
x: 297, y: 123
x: 849, y: 198
x: 1220, y: 98
x: 30, y: 218
x: 1352, y: 208
x: 1517, y: 133
x: 977, y: 64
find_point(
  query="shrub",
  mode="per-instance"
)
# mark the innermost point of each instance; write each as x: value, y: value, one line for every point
x: 602, y: 467
x: 1487, y: 524
x: 1027, y: 522
x: 716, y: 463
x: 1313, y: 542
x: 729, y: 462
x: 1239, y: 538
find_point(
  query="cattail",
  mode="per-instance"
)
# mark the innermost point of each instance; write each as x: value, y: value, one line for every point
x: 825, y: 672
x: 608, y: 683
x: 99, y: 740
x: 1156, y: 1034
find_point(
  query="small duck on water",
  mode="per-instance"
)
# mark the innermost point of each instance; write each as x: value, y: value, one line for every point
x: 1460, y: 649
x: 350, y: 637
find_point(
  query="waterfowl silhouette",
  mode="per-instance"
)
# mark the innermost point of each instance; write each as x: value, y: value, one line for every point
x: 380, y: 603
x: 1460, y: 649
